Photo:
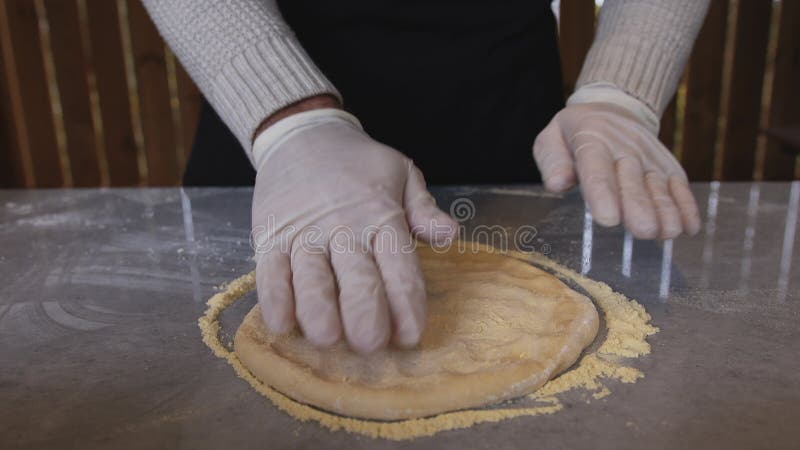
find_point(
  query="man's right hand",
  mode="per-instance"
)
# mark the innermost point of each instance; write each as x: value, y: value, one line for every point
x: 333, y: 217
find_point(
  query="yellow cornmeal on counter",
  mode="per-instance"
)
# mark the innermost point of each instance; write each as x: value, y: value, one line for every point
x: 626, y: 329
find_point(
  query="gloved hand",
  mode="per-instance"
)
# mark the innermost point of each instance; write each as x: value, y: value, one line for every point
x: 607, y: 141
x: 333, y: 216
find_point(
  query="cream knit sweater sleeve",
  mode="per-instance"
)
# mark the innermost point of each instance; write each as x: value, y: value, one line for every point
x: 242, y: 56
x: 641, y: 46
x: 249, y: 64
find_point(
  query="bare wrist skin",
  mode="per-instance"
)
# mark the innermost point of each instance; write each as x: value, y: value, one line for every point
x: 306, y: 104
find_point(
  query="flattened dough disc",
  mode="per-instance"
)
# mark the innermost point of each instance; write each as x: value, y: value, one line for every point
x: 497, y: 328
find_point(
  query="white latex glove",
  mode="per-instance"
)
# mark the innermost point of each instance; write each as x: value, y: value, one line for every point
x: 322, y: 182
x: 607, y: 141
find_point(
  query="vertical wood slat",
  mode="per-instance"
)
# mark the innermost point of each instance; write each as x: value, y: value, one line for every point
x: 785, y: 100
x: 12, y: 166
x: 703, y: 92
x: 35, y: 130
x: 576, y: 32
x: 190, y: 100
x: 742, y: 112
x: 154, y: 97
x: 71, y: 77
x: 115, y: 109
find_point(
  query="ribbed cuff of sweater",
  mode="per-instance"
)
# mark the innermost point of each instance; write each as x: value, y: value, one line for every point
x: 643, y: 70
x: 261, y: 80
x: 642, y: 47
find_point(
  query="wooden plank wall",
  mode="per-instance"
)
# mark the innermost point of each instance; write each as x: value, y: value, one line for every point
x: 29, y: 100
x: 703, y: 86
x: 784, y: 98
x: 113, y: 100
x: 741, y: 112
x: 91, y: 96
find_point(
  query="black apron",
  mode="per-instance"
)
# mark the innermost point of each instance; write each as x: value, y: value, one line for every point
x: 461, y: 87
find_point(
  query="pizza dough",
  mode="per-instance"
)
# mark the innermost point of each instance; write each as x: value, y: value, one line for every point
x: 497, y: 328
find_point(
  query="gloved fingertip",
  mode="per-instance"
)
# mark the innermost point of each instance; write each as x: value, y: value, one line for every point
x: 408, y: 332
x: 670, y: 231
x: 439, y: 229
x: 449, y: 228
x: 558, y: 188
x: 606, y: 218
x: 559, y: 183
x: 647, y: 230
x: 275, y: 323
x: 405, y: 340
x: 326, y: 337
x: 371, y: 344
x: 692, y: 223
x: 693, y: 227
x: 367, y: 334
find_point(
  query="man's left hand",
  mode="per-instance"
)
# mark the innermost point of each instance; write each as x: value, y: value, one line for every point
x: 625, y: 173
